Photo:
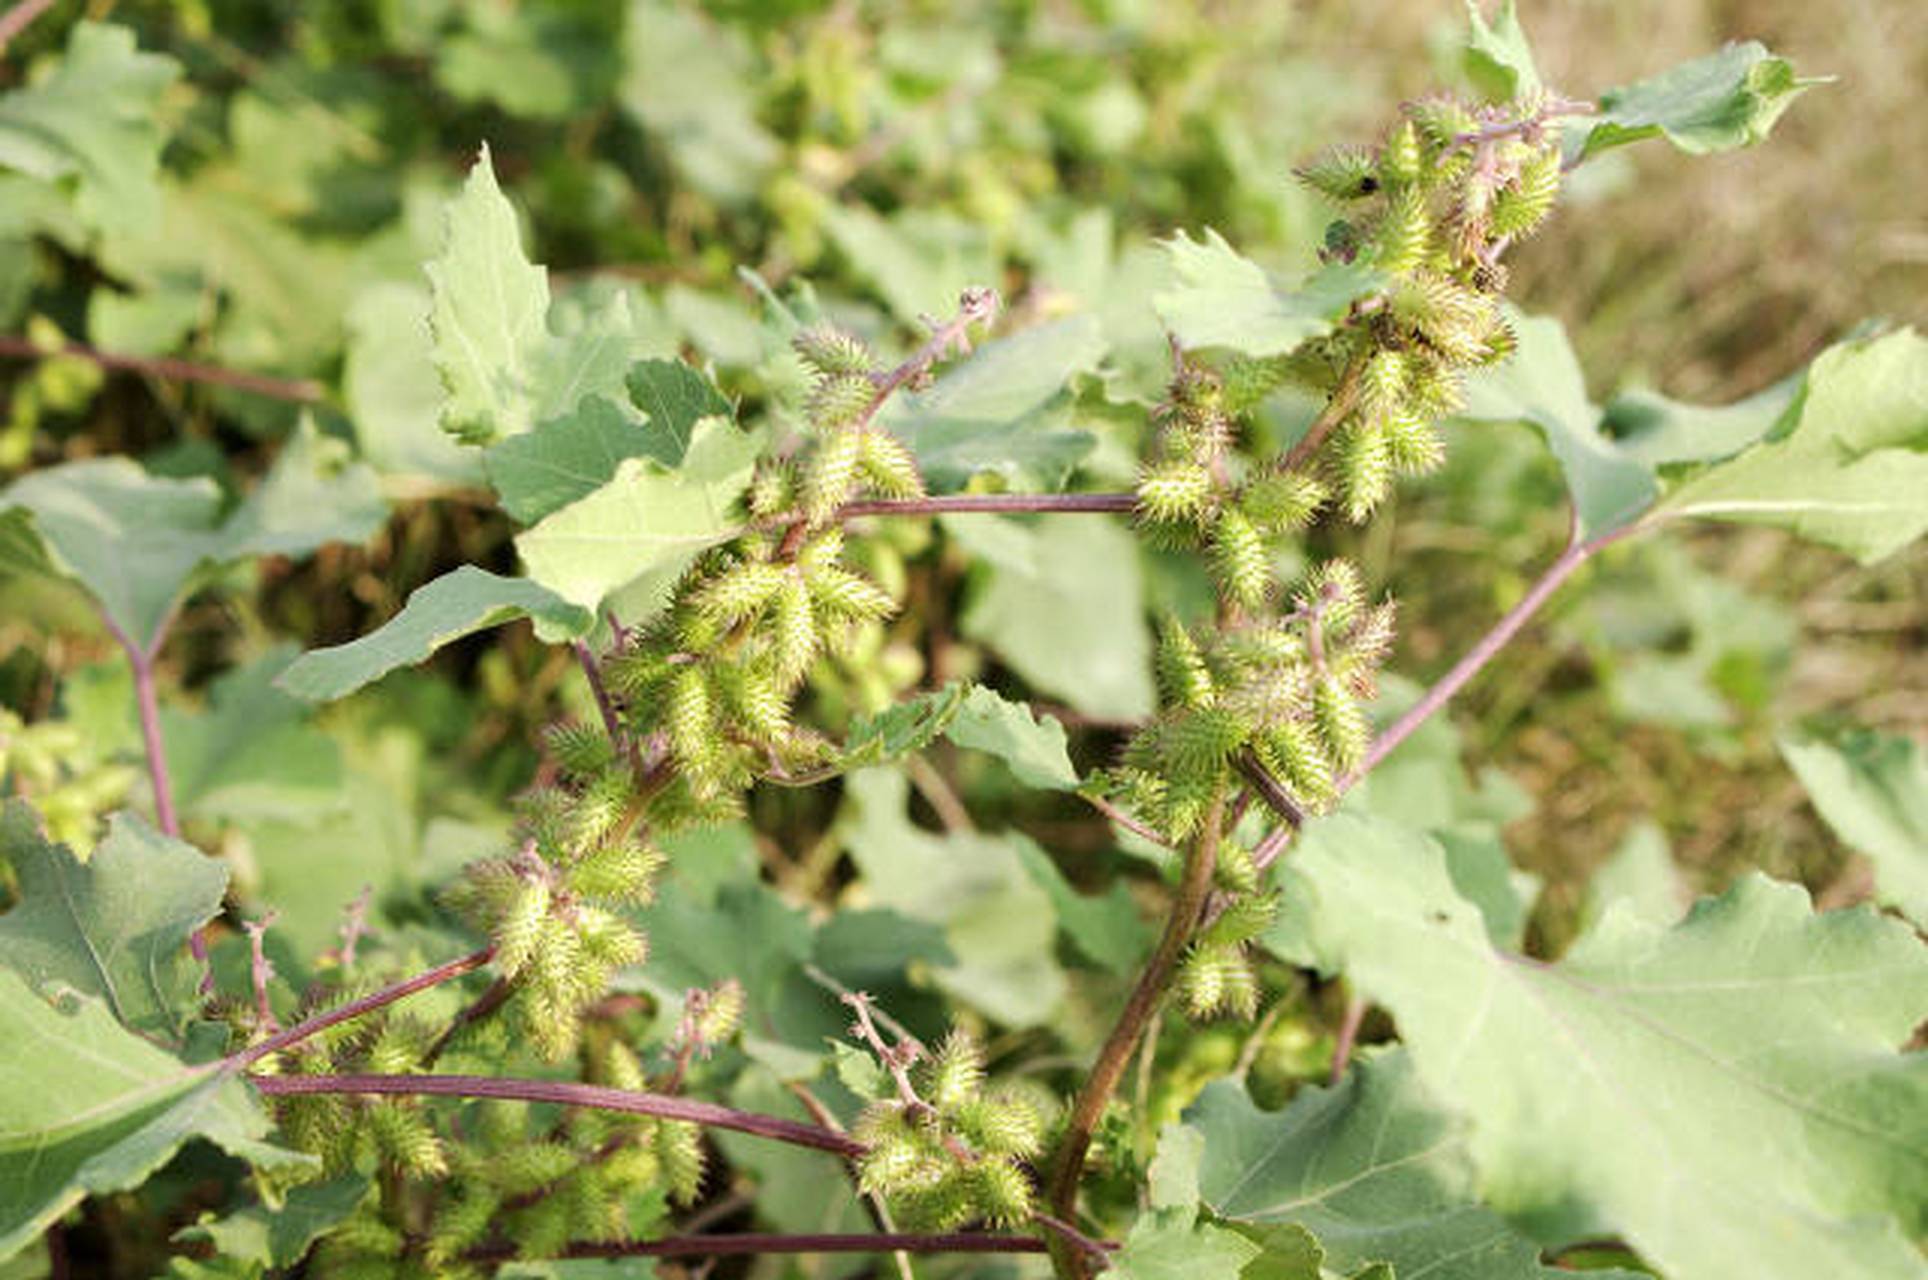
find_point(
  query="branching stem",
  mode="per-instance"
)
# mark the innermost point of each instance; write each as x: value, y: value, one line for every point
x: 1344, y: 395
x: 356, y: 1008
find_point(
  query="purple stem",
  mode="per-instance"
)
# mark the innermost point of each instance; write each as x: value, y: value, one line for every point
x: 571, y: 1094
x: 1007, y: 503
x: 1577, y: 553
x: 301, y: 391
x: 356, y: 1008
x: 612, y: 724
x: 735, y: 1245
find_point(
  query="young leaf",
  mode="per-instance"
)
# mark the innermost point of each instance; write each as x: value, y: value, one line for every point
x: 645, y: 520
x: 95, y: 1108
x: 454, y: 605
x: 903, y: 727
x: 502, y: 367
x: 1161, y: 1247
x: 1720, y: 102
x: 1847, y: 465
x: 1497, y: 58
x: 1873, y: 791
x: 1222, y: 299
x: 115, y: 926
x: 96, y: 120
x: 1643, y: 1048
x: 998, y: 411
x: 280, y: 1236
x: 1373, y: 1167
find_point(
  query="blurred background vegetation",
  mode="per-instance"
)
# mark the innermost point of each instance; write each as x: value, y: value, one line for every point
x: 887, y: 154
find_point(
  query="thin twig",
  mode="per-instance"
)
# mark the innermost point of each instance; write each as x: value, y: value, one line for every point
x: 20, y: 17
x: 1113, y: 1058
x: 1269, y: 788
x: 299, y: 390
x: 874, y: 1201
x: 571, y: 1094
x: 612, y: 723
x: 990, y: 503
x: 1097, y: 1249
x: 1124, y: 819
x: 492, y: 998
x: 261, y: 969
x: 356, y: 1008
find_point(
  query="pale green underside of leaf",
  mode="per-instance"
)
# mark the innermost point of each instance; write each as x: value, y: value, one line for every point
x: 502, y: 368
x: 114, y: 927
x: 646, y: 522
x: 1002, y: 411
x: 137, y: 542
x: 87, y: 1107
x: 1873, y: 791
x: 1224, y: 300
x: 1373, y: 1167
x: 94, y: 121
x: 250, y: 755
x: 1847, y: 465
x: 1680, y: 1086
x: 1844, y: 463
x: 1725, y: 100
x: 454, y: 605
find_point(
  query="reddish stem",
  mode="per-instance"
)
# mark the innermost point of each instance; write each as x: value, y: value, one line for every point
x: 1348, y: 1035
x: 737, y: 1245
x: 980, y: 503
x: 571, y: 1094
x: 301, y: 391
x: 355, y: 1008
x: 20, y: 17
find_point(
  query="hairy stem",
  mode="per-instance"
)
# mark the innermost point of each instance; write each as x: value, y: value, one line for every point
x: 569, y: 1093
x: 612, y: 723
x: 1335, y: 411
x: 356, y: 1008
x: 301, y: 391
x: 1113, y: 1058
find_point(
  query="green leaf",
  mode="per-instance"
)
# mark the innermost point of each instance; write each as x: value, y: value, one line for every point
x: 1159, y: 1248
x: 1679, y: 1086
x: 917, y: 260
x: 1720, y: 102
x: 645, y: 521
x: 130, y: 539
x: 115, y: 926
x: 454, y: 605
x: 393, y: 393
x: 903, y: 727
x: 279, y: 1237
x: 1002, y: 410
x: 1497, y: 58
x: 1107, y: 928
x: 502, y: 367
x: 1076, y: 628
x: 251, y: 754
x: 95, y: 120
x: 91, y: 1108
x: 1846, y: 466
x: 138, y: 542
x: 1642, y: 876
x: 1658, y: 431
x: 1034, y: 749
x: 1222, y: 299
x: 1372, y: 1167
x: 571, y: 457
x: 313, y: 495
x: 1542, y: 385
x: 1873, y: 791
x: 999, y: 924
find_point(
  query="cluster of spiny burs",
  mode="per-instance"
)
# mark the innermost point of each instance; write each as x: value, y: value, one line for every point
x: 946, y: 1150
x: 1430, y: 212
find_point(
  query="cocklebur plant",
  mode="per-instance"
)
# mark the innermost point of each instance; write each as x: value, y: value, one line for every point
x: 710, y: 577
